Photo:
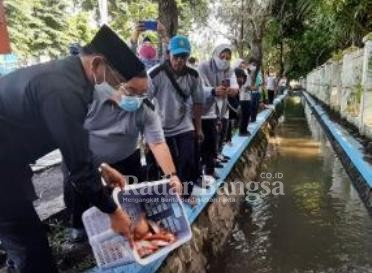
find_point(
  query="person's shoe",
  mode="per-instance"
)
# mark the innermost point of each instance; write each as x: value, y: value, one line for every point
x: 77, y: 235
x: 244, y: 134
x: 218, y: 165
x: 226, y: 157
x: 223, y: 158
x: 215, y: 175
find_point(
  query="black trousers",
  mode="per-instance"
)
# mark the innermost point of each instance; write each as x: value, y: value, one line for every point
x: 245, y: 107
x: 232, y: 124
x: 21, y: 231
x: 75, y: 202
x: 221, y: 137
x: 182, y: 148
x: 255, y: 103
x: 209, y: 145
x: 271, y: 95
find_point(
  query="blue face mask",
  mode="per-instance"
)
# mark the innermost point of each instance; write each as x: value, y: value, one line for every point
x: 130, y: 103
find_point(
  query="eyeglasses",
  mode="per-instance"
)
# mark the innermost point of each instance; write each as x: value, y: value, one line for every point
x: 130, y: 92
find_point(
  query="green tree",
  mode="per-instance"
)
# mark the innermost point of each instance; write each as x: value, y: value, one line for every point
x: 49, y: 30
x: 19, y: 19
x: 305, y: 33
x: 78, y: 29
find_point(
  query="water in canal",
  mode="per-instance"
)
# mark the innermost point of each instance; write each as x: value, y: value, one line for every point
x: 318, y: 225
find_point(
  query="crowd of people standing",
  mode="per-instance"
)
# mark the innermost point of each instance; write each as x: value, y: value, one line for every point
x: 109, y: 106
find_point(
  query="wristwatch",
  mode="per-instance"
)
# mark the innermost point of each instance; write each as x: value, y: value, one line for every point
x: 168, y: 176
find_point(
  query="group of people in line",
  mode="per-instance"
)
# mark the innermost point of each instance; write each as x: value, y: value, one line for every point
x: 108, y: 107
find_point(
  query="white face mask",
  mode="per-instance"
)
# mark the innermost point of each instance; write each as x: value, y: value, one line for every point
x: 221, y: 64
x: 253, y: 68
x: 104, y: 87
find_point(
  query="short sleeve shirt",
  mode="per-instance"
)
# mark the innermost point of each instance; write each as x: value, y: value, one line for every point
x: 176, y: 112
x: 114, y: 133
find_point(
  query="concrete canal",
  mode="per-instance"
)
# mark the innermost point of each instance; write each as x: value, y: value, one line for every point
x: 319, y: 224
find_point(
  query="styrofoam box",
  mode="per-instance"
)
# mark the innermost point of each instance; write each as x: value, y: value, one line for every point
x: 150, y: 198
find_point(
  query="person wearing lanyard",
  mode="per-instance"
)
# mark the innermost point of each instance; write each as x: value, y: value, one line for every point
x: 42, y: 108
x: 116, y: 120
x: 178, y: 92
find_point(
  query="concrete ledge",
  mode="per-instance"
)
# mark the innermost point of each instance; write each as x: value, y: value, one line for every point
x: 349, y: 150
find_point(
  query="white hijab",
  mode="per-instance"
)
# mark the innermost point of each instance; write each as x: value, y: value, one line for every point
x: 221, y: 64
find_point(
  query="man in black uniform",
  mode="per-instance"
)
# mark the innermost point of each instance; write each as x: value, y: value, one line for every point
x: 42, y: 108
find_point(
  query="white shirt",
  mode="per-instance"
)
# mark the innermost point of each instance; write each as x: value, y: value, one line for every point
x: 283, y: 82
x: 270, y: 83
x: 245, y: 91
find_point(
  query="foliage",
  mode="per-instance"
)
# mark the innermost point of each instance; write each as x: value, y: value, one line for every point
x: 45, y: 27
x: 310, y: 31
x: 247, y: 21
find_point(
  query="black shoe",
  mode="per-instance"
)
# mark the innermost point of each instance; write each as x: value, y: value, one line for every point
x: 215, y: 175
x: 244, y: 134
x: 226, y: 157
x: 218, y: 165
x: 222, y: 160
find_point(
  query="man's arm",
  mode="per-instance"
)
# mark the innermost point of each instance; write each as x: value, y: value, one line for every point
x: 154, y: 136
x: 197, y: 109
x: 197, y: 114
x: 164, y: 159
x: 63, y: 111
x: 64, y: 115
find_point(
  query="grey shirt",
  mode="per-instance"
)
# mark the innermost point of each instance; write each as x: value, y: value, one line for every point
x: 175, y: 112
x: 114, y: 133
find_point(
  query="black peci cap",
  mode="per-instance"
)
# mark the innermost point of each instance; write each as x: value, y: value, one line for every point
x: 117, y: 53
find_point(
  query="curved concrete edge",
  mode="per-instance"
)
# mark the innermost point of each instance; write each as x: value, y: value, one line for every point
x: 349, y: 150
x: 234, y: 151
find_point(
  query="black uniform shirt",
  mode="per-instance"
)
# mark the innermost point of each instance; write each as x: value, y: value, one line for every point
x: 42, y: 108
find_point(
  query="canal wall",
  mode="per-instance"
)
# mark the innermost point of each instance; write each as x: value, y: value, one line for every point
x: 214, y: 225
x: 348, y: 149
x: 213, y: 217
x: 344, y: 83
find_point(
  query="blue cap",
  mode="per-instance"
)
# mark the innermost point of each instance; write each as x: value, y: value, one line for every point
x: 179, y: 44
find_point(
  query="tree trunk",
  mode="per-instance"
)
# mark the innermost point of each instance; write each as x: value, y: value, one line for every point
x: 256, y: 52
x: 241, y: 34
x: 4, y: 36
x: 281, y: 62
x: 168, y: 15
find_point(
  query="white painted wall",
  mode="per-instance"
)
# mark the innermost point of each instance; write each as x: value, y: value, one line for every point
x: 346, y: 85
